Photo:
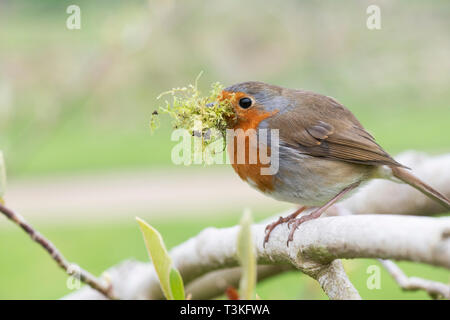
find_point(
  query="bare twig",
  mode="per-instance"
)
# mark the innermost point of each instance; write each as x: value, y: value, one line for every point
x: 433, y: 288
x: 83, y: 275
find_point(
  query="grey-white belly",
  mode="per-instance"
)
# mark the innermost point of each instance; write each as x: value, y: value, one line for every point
x: 312, y: 181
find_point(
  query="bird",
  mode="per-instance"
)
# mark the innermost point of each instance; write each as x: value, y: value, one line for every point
x: 324, y: 152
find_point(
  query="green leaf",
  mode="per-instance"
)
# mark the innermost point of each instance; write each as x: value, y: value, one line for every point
x: 176, y: 285
x: 169, y: 278
x: 2, y: 177
x: 247, y: 257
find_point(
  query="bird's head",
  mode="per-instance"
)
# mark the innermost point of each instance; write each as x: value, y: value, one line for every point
x: 255, y: 101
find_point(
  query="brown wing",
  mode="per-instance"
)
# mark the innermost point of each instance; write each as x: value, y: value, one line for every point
x: 319, y: 126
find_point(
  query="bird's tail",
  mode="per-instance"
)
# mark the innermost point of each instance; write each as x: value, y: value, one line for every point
x: 415, y: 182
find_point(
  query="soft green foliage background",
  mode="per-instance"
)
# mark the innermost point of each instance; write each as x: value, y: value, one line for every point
x: 67, y: 94
x: 2, y: 176
x: 80, y: 101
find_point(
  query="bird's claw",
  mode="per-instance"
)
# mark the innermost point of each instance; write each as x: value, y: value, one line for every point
x: 269, y: 229
x: 289, y: 219
x: 296, y: 223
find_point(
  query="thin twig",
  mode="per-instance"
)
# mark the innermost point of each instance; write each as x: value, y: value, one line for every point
x: 84, y: 276
x: 433, y: 288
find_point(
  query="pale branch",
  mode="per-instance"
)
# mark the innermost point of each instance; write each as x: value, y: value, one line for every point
x: 332, y: 278
x: 316, y: 245
x: 129, y: 279
x: 84, y: 276
x: 335, y: 283
x: 215, y: 283
x: 433, y: 288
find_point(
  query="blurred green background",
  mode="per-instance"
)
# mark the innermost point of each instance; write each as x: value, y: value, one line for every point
x: 77, y: 102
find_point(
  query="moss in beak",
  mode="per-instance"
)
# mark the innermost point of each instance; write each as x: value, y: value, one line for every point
x: 188, y: 107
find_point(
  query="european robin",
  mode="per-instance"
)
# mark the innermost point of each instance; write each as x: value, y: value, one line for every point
x: 324, y: 152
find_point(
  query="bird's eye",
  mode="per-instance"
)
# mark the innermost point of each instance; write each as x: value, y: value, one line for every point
x: 245, y: 103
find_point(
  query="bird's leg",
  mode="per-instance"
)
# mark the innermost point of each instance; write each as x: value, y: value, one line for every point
x: 294, y: 223
x: 280, y: 220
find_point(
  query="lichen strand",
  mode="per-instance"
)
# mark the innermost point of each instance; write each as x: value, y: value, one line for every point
x: 189, y: 109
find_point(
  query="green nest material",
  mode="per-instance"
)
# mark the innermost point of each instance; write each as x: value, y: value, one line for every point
x: 196, y: 113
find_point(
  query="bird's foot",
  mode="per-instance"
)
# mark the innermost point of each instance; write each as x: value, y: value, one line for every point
x: 271, y: 226
x: 294, y: 223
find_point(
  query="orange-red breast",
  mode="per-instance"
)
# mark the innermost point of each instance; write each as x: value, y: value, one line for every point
x: 324, y: 152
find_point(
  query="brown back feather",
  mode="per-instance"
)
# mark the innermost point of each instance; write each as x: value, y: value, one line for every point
x: 320, y: 126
